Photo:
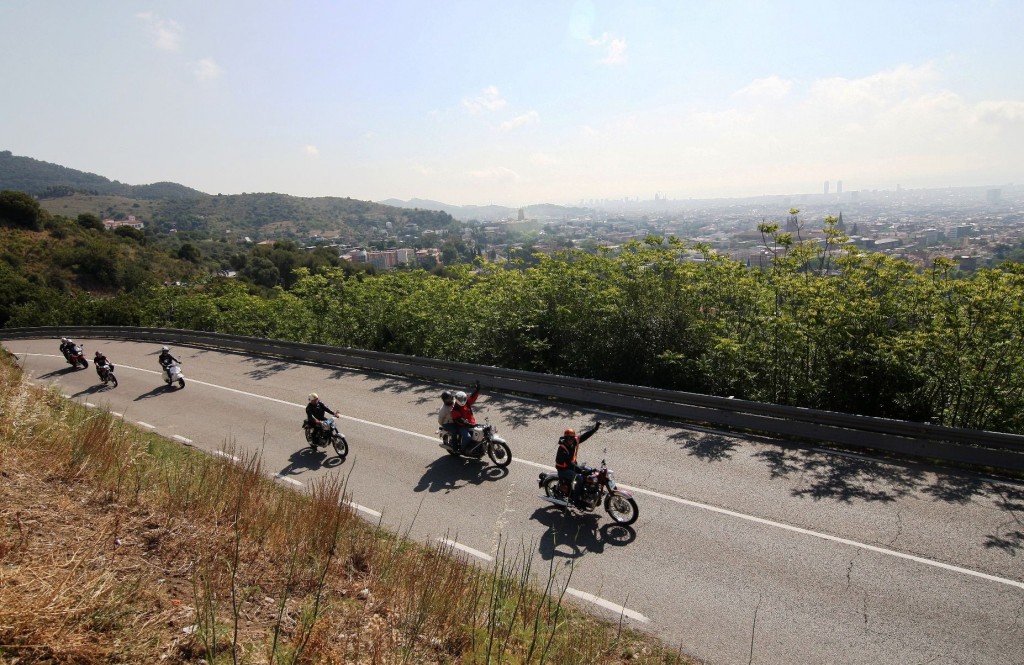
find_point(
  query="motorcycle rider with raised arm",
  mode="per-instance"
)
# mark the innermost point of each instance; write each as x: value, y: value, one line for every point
x: 565, y: 461
x: 166, y: 359
x: 316, y: 411
x: 463, y: 418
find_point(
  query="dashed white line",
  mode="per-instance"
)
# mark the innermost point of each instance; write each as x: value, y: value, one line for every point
x: 465, y: 548
x: 288, y: 480
x: 116, y: 414
x: 178, y: 437
x: 225, y: 455
x: 146, y: 425
x: 607, y: 604
x: 364, y: 509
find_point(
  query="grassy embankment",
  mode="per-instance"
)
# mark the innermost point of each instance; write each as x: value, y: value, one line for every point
x: 117, y: 545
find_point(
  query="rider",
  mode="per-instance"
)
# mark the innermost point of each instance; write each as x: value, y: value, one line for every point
x: 565, y: 459
x: 166, y: 359
x: 462, y: 416
x: 444, y: 415
x: 66, y: 347
x: 315, y: 413
x: 101, y: 363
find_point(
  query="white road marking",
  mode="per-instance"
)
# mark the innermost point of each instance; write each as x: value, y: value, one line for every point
x: 146, y: 425
x: 364, y: 509
x: 116, y: 414
x: 90, y: 404
x: 178, y: 437
x: 225, y: 455
x: 288, y: 480
x: 659, y: 495
x: 607, y: 604
x: 465, y: 548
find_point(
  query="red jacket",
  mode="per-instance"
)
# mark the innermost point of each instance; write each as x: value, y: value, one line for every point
x: 462, y: 414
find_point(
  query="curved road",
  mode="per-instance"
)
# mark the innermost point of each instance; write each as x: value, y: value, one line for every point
x: 747, y: 550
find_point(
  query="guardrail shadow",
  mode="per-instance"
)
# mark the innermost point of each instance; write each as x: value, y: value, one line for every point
x: 572, y: 536
x: 450, y: 472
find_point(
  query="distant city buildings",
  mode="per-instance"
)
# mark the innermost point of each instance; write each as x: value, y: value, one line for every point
x: 116, y: 223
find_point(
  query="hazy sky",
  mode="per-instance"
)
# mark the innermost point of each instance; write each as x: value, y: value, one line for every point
x: 518, y: 101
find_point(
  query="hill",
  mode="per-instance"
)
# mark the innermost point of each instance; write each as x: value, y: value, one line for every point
x: 46, y: 180
x: 492, y: 213
x: 164, y: 206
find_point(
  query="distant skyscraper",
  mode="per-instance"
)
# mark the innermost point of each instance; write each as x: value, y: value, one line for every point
x: 839, y: 186
x: 826, y: 187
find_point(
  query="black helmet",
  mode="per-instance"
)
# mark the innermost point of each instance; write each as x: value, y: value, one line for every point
x: 447, y: 396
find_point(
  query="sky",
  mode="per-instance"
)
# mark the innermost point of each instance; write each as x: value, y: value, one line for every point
x: 516, y: 102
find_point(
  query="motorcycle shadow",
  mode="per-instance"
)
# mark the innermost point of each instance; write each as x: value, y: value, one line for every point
x: 92, y: 390
x: 59, y: 372
x: 306, y: 459
x: 571, y: 536
x: 451, y: 472
x: 159, y: 390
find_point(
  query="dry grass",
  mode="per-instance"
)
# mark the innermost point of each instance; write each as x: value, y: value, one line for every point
x: 119, y: 546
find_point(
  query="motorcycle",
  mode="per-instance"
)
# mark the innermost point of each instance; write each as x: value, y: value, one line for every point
x: 106, y: 373
x: 76, y: 357
x: 328, y: 434
x: 172, y: 375
x: 485, y: 439
x: 597, y: 484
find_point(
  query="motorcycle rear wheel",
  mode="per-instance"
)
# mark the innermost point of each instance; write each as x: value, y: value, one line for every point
x: 112, y: 379
x: 84, y: 363
x: 621, y: 508
x: 340, y: 445
x: 181, y: 383
x: 500, y: 453
x: 551, y: 488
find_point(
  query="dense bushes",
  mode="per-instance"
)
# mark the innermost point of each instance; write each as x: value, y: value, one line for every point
x: 874, y: 337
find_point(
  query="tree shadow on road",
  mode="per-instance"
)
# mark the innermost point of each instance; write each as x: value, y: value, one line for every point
x: 571, y: 536
x: 450, y: 472
x: 706, y: 446
x: 266, y: 367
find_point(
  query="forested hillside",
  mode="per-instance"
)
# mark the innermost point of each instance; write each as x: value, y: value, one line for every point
x: 821, y: 328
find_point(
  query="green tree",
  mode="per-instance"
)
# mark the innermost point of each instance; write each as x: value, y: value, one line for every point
x: 20, y: 210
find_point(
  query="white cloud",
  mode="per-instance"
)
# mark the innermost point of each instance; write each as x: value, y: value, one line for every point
x: 875, y: 90
x: 771, y: 87
x: 312, y: 151
x: 615, y: 49
x: 543, y: 159
x: 165, y: 33
x: 519, y: 121
x: 207, y: 70
x: 488, y: 100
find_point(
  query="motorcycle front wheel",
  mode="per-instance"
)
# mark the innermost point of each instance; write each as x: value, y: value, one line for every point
x: 340, y: 445
x: 621, y: 508
x: 112, y: 379
x: 500, y: 453
x: 84, y: 362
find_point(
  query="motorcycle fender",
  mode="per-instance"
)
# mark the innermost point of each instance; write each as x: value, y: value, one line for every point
x: 544, y: 476
x: 495, y: 437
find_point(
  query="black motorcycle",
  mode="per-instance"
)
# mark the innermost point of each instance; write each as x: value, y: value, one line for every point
x: 485, y: 439
x: 326, y: 435
x: 593, y: 486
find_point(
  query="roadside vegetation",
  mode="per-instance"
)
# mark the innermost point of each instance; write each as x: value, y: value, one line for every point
x: 820, y: 325
x: 119, y: 546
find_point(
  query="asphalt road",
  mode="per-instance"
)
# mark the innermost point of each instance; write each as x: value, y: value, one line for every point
x: 746, y: 550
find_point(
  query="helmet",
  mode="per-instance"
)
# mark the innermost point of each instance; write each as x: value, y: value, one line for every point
x: 569, y: 433
x: 63, y: 340
x: 313, y: 397
x: 97, y: 354
x: 460, y: 397
x: 446, y: 396
x: 164, y: 348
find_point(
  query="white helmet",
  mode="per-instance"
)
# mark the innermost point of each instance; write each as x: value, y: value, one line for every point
x: 460, y: 397
x: 63, y: 340
x: 164, y: 348
x: 313, y: 397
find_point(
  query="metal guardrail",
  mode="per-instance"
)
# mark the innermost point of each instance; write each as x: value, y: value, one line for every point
x: 979, y: 448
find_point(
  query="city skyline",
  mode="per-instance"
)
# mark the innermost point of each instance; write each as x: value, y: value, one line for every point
x: 536, y: 102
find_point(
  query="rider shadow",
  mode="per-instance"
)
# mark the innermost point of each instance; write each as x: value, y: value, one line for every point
x: 572, y: 536
x: 58, y: 372
x: 306, y: 459
x: 159, y: 390
x: 92, y: 390
x: 450, y: 473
